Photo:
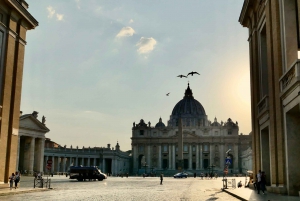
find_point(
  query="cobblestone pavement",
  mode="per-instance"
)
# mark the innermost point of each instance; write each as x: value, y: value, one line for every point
x: 132, y: 188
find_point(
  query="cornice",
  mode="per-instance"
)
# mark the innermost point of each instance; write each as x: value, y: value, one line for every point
x: 16, y: 5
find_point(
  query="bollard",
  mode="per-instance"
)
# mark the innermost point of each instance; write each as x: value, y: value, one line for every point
x: 224, y: 183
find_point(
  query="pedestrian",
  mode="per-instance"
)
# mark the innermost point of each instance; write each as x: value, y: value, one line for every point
x: 240, y: 184
x: 195, y: 175
x: 263, y: 182
x: 11, y: 180
x: 17, y: 179
x: 126, y: 175
x: 161, y: 178
x: 258, y: 181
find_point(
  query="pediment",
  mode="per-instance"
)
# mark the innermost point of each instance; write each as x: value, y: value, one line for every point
x: 31, y: 123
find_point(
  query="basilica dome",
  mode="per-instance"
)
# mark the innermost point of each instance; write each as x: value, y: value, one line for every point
x: 190, y: 110
x: 188, y: 106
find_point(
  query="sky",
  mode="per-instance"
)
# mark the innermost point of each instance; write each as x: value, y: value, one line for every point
x: 94, y: 67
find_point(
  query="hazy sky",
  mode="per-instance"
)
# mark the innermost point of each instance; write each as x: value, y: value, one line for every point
x: 93, y: 67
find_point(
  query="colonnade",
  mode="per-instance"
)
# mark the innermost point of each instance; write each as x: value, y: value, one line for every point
x: 30, y: 154
x: 62, y: 163
x: 194, y: 154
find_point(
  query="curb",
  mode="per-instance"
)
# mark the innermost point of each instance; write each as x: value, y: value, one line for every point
x: 22, y: 191
x: 234, y: 195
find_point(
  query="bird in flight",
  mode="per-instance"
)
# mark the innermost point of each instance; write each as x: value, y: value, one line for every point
x: 181, y: 76
x: 167, y: 94
x: 192, y: 73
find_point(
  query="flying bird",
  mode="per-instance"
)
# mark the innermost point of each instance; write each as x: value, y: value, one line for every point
x: 181, y: 76
x: 192, y: 73
x: 167, y: 94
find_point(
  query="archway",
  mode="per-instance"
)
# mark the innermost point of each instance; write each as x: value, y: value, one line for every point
x: 141, y: 161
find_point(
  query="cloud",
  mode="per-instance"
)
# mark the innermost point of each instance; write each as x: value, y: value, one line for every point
x: 130, y: 21
x: 51, y: 11
x: 146, y: 45
x: 125, y: 31
x: 59, y: 17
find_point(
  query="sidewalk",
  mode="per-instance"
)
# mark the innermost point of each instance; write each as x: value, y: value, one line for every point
x: 249, y: 194
x: 5, y: 190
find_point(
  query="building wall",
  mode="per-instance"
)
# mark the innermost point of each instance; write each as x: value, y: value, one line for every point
x: 274, y: 75
x: 15, y: 20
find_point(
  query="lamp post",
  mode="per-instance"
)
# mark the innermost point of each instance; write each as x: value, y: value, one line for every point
x: 227, y: 163
x: 212, y: 169
x: 145, y: 166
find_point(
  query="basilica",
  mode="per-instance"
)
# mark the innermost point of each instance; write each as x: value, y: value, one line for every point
x: 205, y: 143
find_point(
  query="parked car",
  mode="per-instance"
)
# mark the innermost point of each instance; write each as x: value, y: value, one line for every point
x: 181, y: 175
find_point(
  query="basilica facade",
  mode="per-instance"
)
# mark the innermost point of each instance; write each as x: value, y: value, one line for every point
x: 205, y: 143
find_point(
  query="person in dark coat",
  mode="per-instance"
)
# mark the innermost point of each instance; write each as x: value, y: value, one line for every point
x: 161, y: 178
x: 195, y: 175
x: 263, y: 182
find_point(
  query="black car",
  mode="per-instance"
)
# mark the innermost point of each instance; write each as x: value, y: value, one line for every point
x: 181, y: 175
x: 82, y: 173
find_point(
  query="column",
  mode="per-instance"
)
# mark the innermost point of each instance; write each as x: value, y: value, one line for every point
x: 236, y: 157
x: 197, y: 157
x: 82, y: 161
x: 31, y: 155
x: 190, y: 157
x: 64, y: 160
x: 112, y: 166
x: 223, y: 155
x: 103, y: 166
x: 94, y: 162
x: 71, y: 162
x: 173, y: 156
x: 52, y: 168
x: 89, y: 162
x: 149, y: 157
x: 134, y: 159
x: 58, y: 164
x: 210, y: 154
x: 170, y: 157
x: 159, y: 156
x: 45, y: 164
x: 42, y: 148
x: 201, y: 155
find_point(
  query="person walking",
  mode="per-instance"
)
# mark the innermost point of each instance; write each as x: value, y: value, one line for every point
x: 11, y: 180
x: 258, y: 181
x: 263, y: 182
x: 17, y: 179
x: 161, y: 178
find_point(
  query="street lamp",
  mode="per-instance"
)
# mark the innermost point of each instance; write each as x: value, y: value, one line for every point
x: 226, y: 169
x: 145, y: 166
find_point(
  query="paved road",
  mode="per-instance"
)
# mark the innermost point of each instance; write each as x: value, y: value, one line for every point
x: 132, y: 188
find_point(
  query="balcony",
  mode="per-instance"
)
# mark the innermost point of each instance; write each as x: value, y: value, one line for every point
x: 263, y: 105
x: 291, y: 76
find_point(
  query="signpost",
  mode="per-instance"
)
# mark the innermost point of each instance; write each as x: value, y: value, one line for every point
x: 49, y: 164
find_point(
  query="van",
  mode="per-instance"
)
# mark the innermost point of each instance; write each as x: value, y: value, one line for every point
x: 82, y: 173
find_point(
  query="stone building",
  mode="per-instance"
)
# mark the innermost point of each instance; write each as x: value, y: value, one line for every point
x: 274, y: 42
x: 31, y: 143
x: 15, y: 20
x: 155, y: 148
x: 109, y: 159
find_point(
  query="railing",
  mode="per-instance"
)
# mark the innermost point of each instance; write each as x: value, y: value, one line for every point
x: 41, y: 183
x: 290, y: 75
x: 263, y: 104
